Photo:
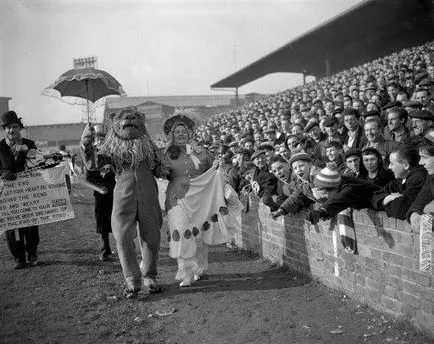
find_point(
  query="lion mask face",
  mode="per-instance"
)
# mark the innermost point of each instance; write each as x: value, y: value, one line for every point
x: 129, y: 124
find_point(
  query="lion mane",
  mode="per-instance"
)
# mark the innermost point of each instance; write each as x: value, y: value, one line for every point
x: 128, y: 143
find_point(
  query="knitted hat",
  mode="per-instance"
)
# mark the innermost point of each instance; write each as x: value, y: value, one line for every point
x: 328, y: 177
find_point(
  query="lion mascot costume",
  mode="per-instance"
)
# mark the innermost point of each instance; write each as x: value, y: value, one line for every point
x: 136, y: 208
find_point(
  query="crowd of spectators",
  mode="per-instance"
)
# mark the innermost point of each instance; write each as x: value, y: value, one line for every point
x: 361, y: 138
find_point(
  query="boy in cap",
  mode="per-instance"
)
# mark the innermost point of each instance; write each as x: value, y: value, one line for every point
x: 422, y: 122
x: 331, y: 125
x: 353, y: 163
x: 264, y: 184
x: 336, y: 193
x: 301, y: 196
x: 13, y: 151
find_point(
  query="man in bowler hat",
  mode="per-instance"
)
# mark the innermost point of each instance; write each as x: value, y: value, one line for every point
x: 13, y: 151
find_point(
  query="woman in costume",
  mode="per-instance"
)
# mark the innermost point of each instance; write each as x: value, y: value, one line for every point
x: 195, y: 201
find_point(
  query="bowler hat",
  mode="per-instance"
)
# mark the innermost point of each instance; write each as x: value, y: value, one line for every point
x: 10, y: 117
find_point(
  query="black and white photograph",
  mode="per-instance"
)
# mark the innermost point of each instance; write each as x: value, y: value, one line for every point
x: 215, y: 171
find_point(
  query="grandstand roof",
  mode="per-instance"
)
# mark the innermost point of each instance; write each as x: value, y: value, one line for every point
x: 371, y: 29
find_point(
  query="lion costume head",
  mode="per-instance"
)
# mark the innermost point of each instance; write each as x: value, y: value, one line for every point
x: 128, y: 141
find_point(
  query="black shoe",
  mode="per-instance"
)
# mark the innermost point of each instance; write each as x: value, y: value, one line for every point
x: 33, y: 261
x: 103, y: 258
x: 131, y: 294
x: 19, y: 265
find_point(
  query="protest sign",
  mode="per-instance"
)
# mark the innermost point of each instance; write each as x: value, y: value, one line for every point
x: 34, y: 198
x: 425, y: 258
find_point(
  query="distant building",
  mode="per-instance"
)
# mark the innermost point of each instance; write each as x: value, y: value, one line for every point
x: 156, y: 113
x: 48, y: 137
x: 158, y: 109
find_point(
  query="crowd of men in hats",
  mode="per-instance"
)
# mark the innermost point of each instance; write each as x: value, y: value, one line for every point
x: 357, y: 133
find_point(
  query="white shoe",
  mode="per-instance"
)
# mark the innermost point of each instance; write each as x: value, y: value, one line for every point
x: 196, y: 278
x: 186, y: 282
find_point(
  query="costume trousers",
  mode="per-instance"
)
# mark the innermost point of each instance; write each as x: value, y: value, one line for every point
x: 197, y: 265
x: 136, y: 210
x: 103, y: 213
x: 28, y: 242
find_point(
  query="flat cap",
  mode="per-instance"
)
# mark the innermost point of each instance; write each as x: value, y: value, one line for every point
x: 427, y: 82
x: 420, y: 76
x: 337, y: 110
x: 413, y: 104
x: 298, y: 156
x: 351, y: 112
x: 371, y: 113
x: 310, y: 126
x: 391, y: 105
x: 352, y: 151
x: 369, y: 88
x: 328, y: 122
x: 257, y: 153
x: 422, y: 114
x: 270, y: 131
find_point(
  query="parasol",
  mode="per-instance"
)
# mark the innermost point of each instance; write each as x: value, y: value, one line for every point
x: 86, y: 83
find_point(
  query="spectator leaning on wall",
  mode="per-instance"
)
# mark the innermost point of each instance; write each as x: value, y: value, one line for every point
x: 424, y: 200
x: 397, y: 196
x: 302, y: 196
x: 264, y: 184
x: 373, y: 168
x: 336, y: 193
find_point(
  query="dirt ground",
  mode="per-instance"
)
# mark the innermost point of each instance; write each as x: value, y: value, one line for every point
x: 74, y: 298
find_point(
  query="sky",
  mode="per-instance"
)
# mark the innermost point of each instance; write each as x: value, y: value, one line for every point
x: 152, y: 47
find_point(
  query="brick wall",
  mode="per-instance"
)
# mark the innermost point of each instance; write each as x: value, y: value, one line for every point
x: 385, y: 273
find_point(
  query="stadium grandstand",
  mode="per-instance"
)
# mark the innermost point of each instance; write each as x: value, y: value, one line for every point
x: 375, y: 56
x: 371, y: 29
